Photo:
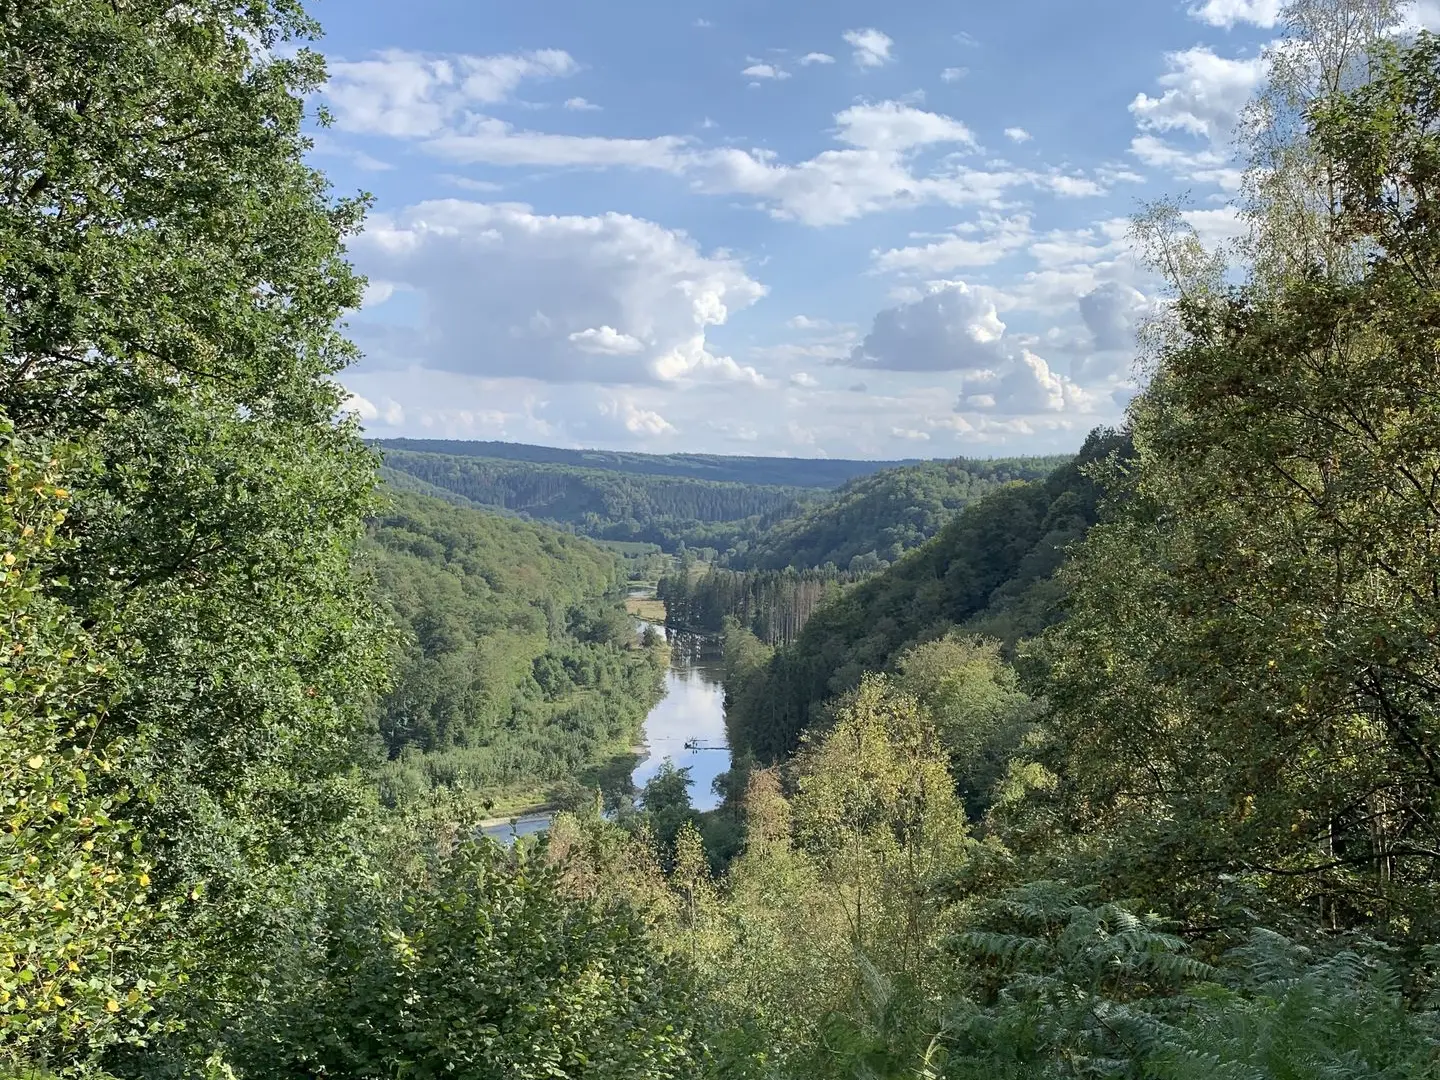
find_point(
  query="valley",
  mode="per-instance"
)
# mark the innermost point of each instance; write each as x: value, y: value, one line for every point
x: 1099, y: 741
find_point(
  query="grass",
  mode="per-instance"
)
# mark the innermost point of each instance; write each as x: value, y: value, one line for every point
x: 646, y: 607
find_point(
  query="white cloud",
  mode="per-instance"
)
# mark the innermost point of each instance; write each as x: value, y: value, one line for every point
x: 816, y: 58
x: 804, y: 322
x: 1227, y: 13
x: 952, y: 328
x: 910, y: 434
x: 703, y: 24
x: 804, y: 380
x: 611, y: 299
x: 1017, y: 135
x: 1113, y: 313
x: 765, y: 71
x: 981, y: 244
x: 467, y: 184
x: 1024, y: 387
x: 495, y: 142
x: 392, y: 415
x: 1204, y: 95
x: 624, y: 414
x: 872, y: 48
x: 412, y: 95
x: 377, y: 292
x: 606, y: 341
x: 954, y: 74
x: 579, y: 104
x: 896, y: 127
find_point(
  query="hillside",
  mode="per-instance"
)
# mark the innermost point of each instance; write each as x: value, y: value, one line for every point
x: 764, y: 471
x: 514, y: 667
x: 606, y: 504
x: 878, y: 518
x: 988, y: 569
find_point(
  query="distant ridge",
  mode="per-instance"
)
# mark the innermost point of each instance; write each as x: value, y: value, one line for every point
x: 772, y: 471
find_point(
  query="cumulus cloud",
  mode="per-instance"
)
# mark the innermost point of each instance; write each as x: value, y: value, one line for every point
x: 980, y: 243
x: 1204, y: 95
x: 873, y: 171
x: 893, y: 126
x: 765, y: 71
x: 816, y: 58
x: 413, y: 95
x: 1227, y: 13
x: 804, y: 380
x: 1025, y: 386
x: 1017, y: 135
x: 954, y: 74
x: 579, y: 104
x: 391, y: 414
x: 871, y: 47
x: 952, y: 328
x: 506, y: 292
x: 1113, y: 313
x: 625, y: 415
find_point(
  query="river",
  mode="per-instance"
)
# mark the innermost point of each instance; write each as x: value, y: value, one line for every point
x: 692, y: 711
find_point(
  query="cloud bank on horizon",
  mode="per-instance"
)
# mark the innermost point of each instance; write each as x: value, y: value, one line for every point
x: 844, y: 229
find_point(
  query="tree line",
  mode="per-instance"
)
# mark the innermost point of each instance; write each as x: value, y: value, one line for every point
x: 773, y: 604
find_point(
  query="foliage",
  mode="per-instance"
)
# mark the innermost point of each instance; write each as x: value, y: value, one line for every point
x: 774, y: 604
x: 1246, y: 690
x: 516, y: 666
x: 76, y: 908
x: 438, y: 954
x: 173, y: 278
x: 605, y: 504
x: 720, y: 468
x: 873, y: 520
x: 989, y: 569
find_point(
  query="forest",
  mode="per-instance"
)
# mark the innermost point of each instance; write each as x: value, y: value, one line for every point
x: 873, y: 520
x: 1132, y: 770
x: 605, y: 504
x: 515, y: 668
x: 822, y: 473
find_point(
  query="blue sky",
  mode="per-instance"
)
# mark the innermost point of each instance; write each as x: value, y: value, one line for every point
x: 848, y: 229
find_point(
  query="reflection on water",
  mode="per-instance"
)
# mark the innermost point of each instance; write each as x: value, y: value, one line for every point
x: 692, y: 711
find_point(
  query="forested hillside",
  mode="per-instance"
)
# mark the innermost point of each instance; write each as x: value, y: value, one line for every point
x: 991, y: 569
x: 751, y: 471
x: 876, y: 519
x: 611, y: 505
x: 516, y: 667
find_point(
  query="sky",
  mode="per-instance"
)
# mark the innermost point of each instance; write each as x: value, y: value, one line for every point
x: 841, y: 229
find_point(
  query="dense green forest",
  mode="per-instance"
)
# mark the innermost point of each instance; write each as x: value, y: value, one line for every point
x: 610, y: 505
x: 867, y: 523
x: 516, y: 667
x: 991, y: 570
x: 875, y: 519
x: 1130, y: 772
x: 750, y: 471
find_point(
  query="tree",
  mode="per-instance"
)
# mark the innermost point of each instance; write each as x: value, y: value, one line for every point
x: 173, y: 277
x: 77, y: 967
x: 1247, y: 690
